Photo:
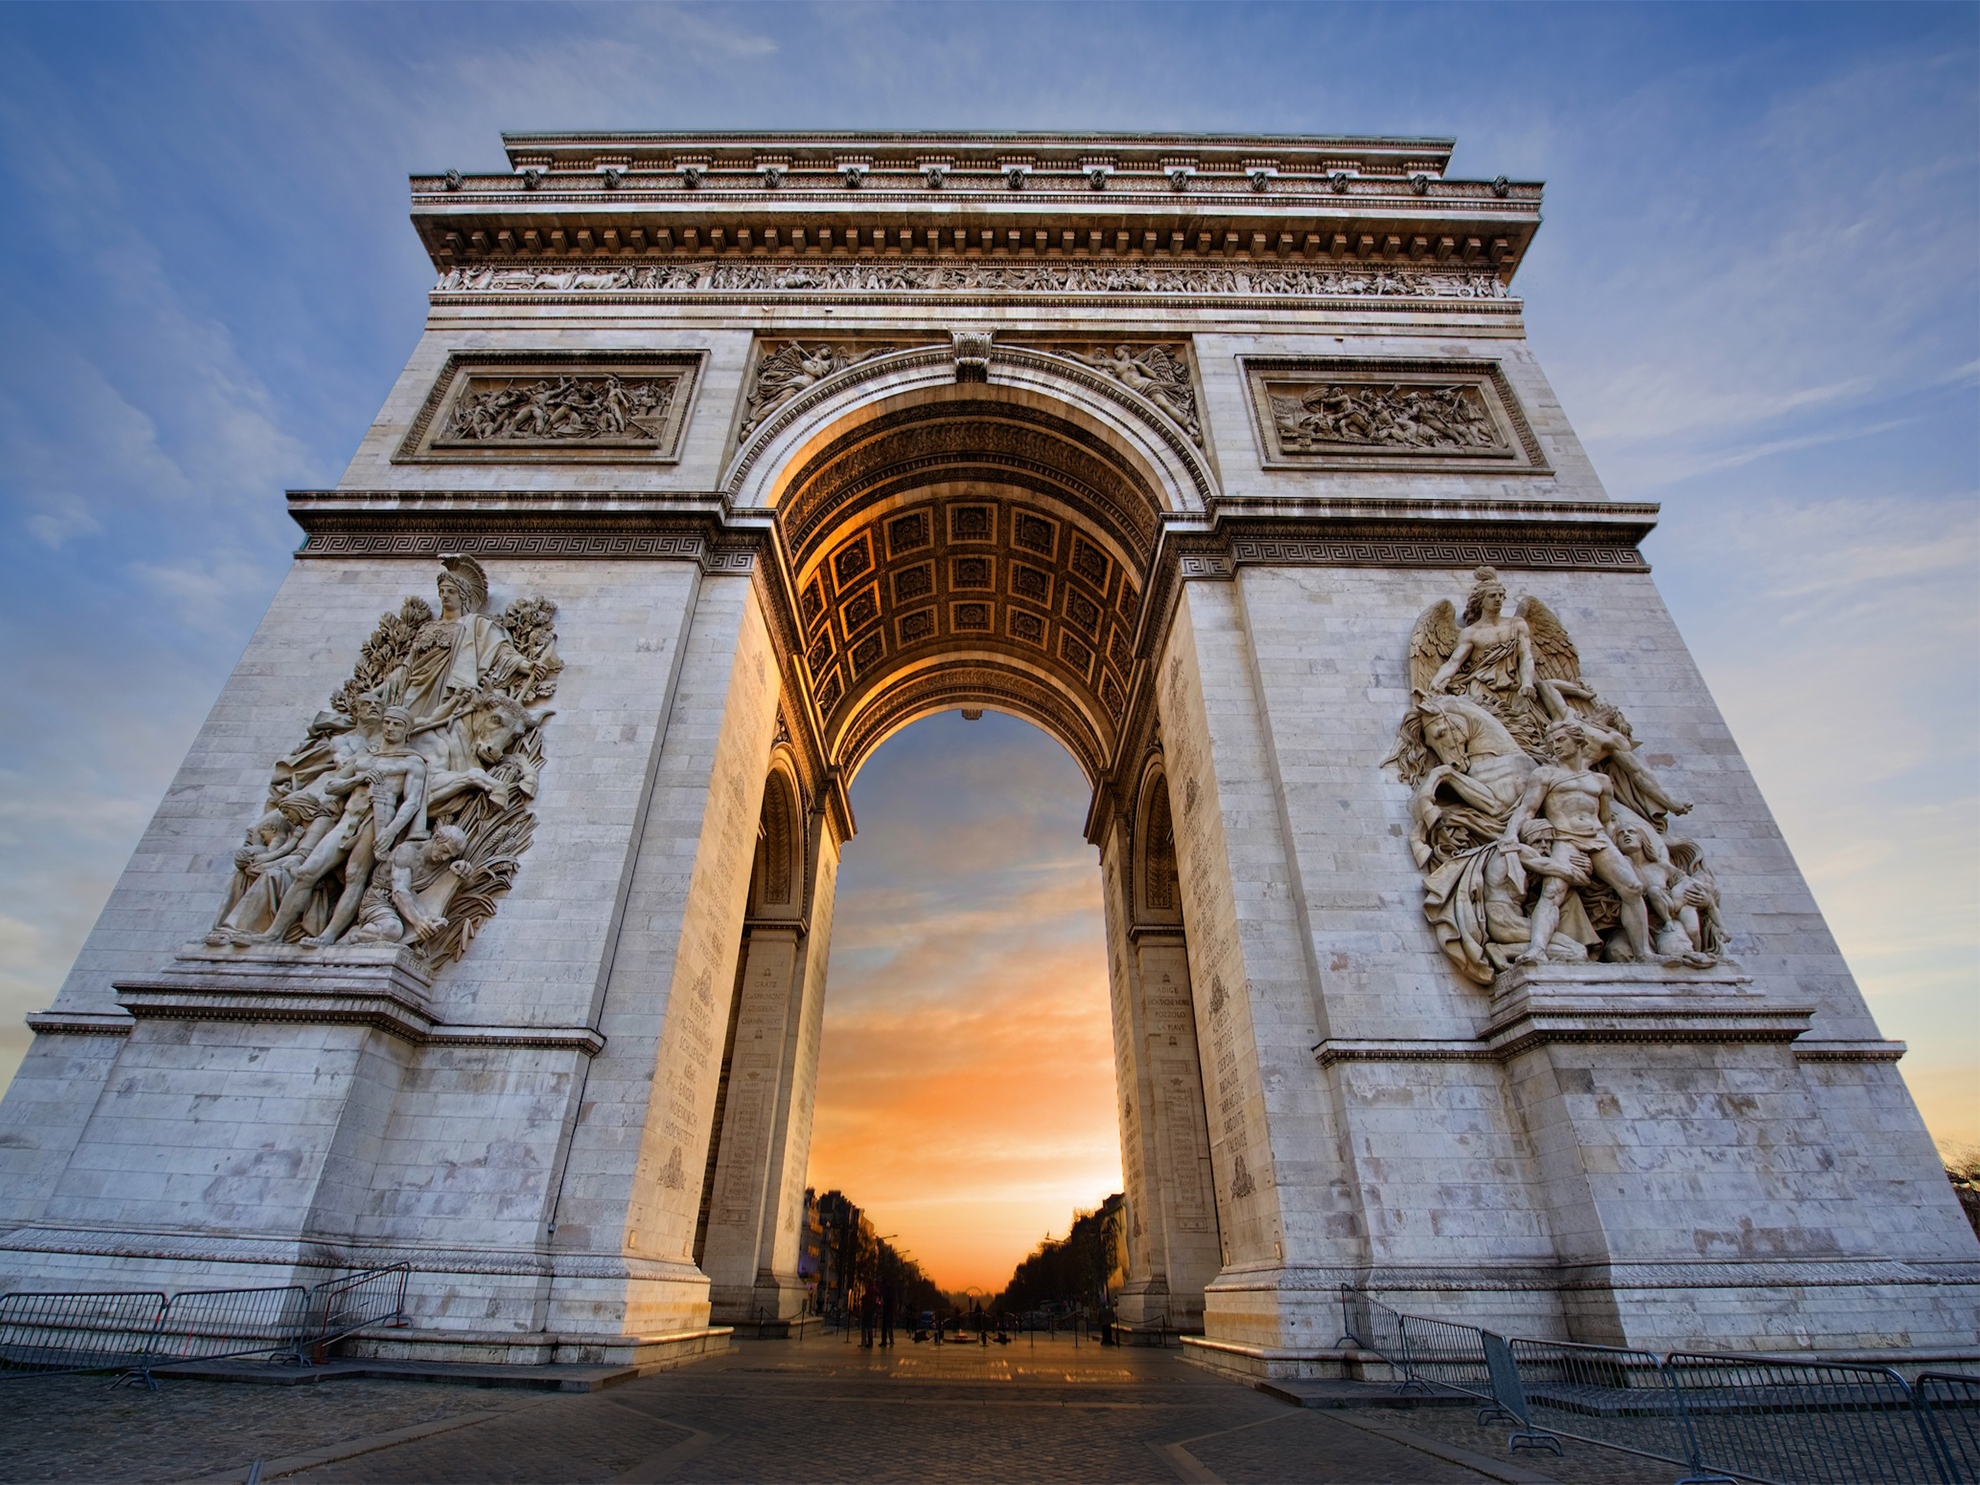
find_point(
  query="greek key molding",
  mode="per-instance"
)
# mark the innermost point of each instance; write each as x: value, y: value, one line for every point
x: 1560, y: 556
x: 588, y: 545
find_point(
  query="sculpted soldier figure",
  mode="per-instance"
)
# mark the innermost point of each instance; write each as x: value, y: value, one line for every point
x: 407, y: 898
x: 1578, y: 800
x: 457, y: 654
x: 433, y: 734
x: 383, y: 791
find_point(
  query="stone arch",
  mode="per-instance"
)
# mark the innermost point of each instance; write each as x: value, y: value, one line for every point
x: 967, y: 544
x: 945, y: 545
x: 776, y: 888
x: 1133, y: 428
x: 1157, y: 886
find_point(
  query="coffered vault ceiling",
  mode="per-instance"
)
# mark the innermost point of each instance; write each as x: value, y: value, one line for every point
x: 975, y: 552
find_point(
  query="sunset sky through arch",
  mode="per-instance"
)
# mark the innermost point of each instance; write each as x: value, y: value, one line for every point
x: 966, y: 1080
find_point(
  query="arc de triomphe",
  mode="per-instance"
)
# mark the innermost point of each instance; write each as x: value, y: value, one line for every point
x: 1452, y: 948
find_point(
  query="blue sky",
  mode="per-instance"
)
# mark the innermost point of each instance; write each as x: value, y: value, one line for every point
x: 1756, y: 293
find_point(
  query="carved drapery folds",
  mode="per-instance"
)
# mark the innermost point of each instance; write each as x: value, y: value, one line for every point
x: 1158, y: 372
x: 403, y: 813
x: 784, y: 373
x: 1540, y: 832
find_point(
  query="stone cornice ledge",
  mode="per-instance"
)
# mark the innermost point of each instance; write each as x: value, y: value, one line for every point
x: 378, y: 986
x: 1872, y: 1050
x: 59, y: 1022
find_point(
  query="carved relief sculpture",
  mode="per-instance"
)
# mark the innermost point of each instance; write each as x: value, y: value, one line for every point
x: 1406, y: 416
x: 782, y: 376
x: 402, y: 814
x: 1158, y: 372
x: 969, y: 277
x: 565, y: 409
x: 1540, y: 833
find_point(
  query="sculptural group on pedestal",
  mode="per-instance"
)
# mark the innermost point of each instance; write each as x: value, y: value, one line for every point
x: 1541, y: 834
x: 401, y: 815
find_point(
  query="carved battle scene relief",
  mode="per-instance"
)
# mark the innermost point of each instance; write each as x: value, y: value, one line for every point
x: 1541, y: 832
x: 402, y: 814
x: 588, y: 406
x: 1371, y: 414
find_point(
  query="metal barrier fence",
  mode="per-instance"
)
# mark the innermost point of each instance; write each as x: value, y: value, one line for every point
x: 1373, y: 1326
x: 220, y: 1324
x: 1603, y: 1395
x: 1949, y: 1408
x: 42, y: 1334
x: 1721, y: 1418
x: 1802, y: 1422
x: 342, y: 1307
x: 139, y: 1333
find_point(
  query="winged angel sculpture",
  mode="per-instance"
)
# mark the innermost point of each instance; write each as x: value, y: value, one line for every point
x: 1540, y: 833
x: 402, y: 814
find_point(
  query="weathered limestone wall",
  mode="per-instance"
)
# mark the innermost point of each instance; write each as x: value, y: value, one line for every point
x: 631, y: 1188
x: 1695, y: 1171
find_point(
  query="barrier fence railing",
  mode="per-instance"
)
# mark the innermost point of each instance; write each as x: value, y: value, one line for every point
x: 1769, y: 1420
x: 1802, y: 1422
x: 1949, y: 1407
x: 141, y: 1332
x: 44, y: 1334
x: 222, y: 1324
x: 342, y: 1307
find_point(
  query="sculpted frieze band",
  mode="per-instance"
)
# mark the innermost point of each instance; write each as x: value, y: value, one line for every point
x: 402, y: 814
x: 968, y: 276
x: 1541, y: 833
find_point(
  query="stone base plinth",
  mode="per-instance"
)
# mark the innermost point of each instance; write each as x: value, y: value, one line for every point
x: 541, y: 1348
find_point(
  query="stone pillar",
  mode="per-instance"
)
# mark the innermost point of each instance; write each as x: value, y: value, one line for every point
x: 1179, y: 1132
x: 631, y: 1189
x: 779, y: 1288
x: 1144, y: 1299
x: 1282, y: 1206
x: 1165, y: 1149
x: 741, y: 1201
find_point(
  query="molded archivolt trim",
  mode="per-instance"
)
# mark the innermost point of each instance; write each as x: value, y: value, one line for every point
x: 1134, y: 431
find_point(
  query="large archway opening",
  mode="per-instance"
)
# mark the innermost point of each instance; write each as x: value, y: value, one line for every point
x: 950, y: 549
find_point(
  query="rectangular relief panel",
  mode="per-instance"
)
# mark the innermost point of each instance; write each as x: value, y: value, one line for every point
x: 1382, y: 413
x: 616, y: 407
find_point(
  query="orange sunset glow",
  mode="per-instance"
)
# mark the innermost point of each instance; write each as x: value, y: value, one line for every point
x: 966, y: 1081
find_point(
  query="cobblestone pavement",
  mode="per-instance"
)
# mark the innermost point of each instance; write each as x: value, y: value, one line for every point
x: 816, y: 1410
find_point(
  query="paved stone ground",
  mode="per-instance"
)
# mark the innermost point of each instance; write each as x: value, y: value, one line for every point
x: 817, y: 1410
